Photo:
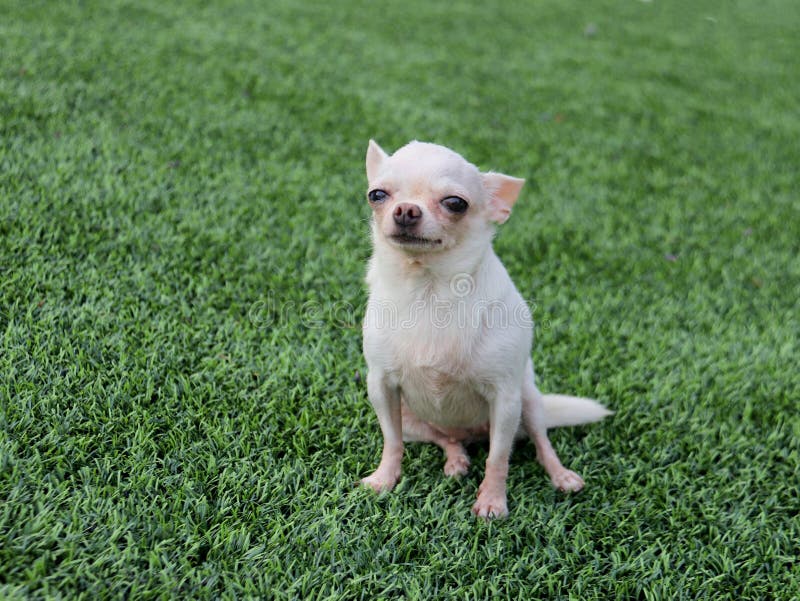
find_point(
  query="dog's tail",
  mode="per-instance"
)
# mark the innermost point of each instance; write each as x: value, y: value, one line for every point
x: 563, y: 410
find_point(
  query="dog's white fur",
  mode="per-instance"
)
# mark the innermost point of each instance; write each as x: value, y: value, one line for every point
x: 447, y: 337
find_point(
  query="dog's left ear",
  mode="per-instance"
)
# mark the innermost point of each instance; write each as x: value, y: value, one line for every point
x: 375, y: 157
x: 503, y: 192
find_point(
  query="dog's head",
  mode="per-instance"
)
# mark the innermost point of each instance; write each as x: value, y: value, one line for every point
x: 426, y: 198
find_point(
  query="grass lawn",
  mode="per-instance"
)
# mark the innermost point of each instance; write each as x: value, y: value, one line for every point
x: 183, y: 237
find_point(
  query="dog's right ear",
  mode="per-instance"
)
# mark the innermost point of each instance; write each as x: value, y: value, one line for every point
x: 375, y: 157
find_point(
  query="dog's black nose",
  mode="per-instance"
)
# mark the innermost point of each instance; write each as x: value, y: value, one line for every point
x: 406, y: 214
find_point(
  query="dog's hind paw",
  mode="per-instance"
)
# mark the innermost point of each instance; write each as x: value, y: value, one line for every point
x: 566, y: 480
x: 457, y: 464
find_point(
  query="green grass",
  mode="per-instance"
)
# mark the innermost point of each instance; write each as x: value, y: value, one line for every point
x: 182, y: 246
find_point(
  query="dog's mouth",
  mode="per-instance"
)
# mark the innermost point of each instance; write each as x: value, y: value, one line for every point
x: 407, y: 239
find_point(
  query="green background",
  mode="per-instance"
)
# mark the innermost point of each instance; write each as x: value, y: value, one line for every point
x: 183, y: 234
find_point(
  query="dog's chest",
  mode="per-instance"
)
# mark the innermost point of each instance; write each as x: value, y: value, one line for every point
x: 433, y: 367
x: 443, y: 399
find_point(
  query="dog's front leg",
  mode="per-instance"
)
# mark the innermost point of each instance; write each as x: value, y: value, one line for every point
x: 504, y: 416
x: 385, y: 399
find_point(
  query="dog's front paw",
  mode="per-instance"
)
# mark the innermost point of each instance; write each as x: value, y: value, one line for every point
x: 380, y: 481
x: 457, y: 464
x: 490, y: 504
x: 566, y: 480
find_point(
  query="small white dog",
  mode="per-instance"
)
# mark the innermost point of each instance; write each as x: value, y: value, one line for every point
x: 447, y: 337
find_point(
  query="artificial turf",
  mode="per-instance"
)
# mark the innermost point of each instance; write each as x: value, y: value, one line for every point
x: 183, y: 234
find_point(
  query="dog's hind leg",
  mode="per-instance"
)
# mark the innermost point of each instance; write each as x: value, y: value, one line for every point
x: 416, y: 430
x: 533, y: 419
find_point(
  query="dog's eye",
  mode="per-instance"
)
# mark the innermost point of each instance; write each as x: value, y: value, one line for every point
x: 454, y: 204
x: 377, y: 195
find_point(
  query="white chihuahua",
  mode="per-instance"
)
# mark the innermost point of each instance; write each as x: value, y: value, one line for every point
x: 447, y: 337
